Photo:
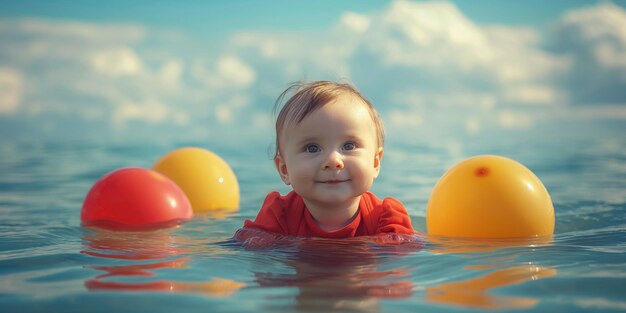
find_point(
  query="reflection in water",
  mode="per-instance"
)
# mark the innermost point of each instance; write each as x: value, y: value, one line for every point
x: 474, y: 292
x: 341, y: 275
x: 329, y: 275
x: 441, y: 244
x: 137, y: 245
x: 150, y: 248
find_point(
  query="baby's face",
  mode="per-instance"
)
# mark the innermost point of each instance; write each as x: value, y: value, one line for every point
x: 332, y: 155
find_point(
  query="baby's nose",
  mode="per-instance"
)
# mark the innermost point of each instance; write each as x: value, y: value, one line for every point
x: 333, y: 160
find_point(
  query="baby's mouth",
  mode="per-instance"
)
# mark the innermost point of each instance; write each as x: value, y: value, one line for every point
x: 333, y: 181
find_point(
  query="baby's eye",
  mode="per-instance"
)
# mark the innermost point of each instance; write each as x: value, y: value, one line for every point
x: 349, y: 146
x: 312, y: 149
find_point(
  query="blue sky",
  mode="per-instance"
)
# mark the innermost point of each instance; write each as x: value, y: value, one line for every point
x: 232, y: 16
x: 205, y: 69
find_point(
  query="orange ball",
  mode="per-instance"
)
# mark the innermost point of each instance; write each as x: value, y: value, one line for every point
x: 490, y: 196
x: 207, y: 180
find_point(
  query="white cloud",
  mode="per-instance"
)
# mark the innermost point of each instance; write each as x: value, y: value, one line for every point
x: 224, y: 114
x: 405, y: 119
x: 62, y: 40
x: 269, y: 47
x: 260, y: 120
x: 422, y: 64
x: 232, y: 107
x: 74, y: 30
x: 602, y: 112
x: 151, y: 111
x: 181, y: 118
x: 103, y: 72
x: 405, y: 50
x: 228, y: 73
x: 233, y: 71
x: 116, y: 62
x: 514, y: 120
x: 593, y: 40
x: 603, y: 21
x: 610, y: 56
x: 11, y: 88
x: 420, y: 34
x: 534, y: 94
x: 356, y: 22
x: 435, y: 44
x: 472, y: 125
x: 171, y: 72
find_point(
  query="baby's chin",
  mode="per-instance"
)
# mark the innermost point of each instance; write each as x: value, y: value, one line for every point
x: 330, y: 200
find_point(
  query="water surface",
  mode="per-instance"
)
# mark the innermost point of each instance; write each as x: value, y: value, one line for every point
x: 48, y: 262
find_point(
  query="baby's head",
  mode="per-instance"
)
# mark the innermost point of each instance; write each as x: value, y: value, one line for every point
x: 309, y: 97
x: 328, y: 144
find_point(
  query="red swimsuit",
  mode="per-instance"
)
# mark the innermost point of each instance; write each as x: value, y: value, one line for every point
x: 287, y: 215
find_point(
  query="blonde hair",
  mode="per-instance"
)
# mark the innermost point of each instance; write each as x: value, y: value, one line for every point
x: 308, y: 97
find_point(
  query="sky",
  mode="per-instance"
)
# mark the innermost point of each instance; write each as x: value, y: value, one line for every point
x: 213, y: 69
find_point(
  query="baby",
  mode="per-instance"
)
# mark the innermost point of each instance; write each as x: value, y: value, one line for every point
x: 329, y: 145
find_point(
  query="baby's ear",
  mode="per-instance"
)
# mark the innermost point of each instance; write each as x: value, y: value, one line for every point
x: 281, y: 167
x: 377, y: 158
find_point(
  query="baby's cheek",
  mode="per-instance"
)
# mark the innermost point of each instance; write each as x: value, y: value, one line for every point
x: 302, y: 173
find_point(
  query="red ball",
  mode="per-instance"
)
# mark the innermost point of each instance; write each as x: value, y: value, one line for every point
x: 135, y: 198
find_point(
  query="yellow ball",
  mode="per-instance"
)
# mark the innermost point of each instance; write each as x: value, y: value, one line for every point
x: 206, y: 179
x: 489, y: 197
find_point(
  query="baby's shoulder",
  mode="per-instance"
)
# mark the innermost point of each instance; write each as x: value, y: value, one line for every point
x: 386, y: 204
x: 274, y: 199
x: 283, y: 207
x: 392, y: 204
x: 389, y: 215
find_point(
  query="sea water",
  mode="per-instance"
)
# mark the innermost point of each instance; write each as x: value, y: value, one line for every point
x: 49, y: 263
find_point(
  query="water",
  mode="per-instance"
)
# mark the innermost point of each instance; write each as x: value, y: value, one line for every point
x: 48, y: 262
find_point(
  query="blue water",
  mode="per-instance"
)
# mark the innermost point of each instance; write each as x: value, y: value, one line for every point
x: 48, y: 262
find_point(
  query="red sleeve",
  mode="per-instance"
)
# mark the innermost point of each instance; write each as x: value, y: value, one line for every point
x: 394, y: 219
x: 256, y: 239
x: 271, y: 217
